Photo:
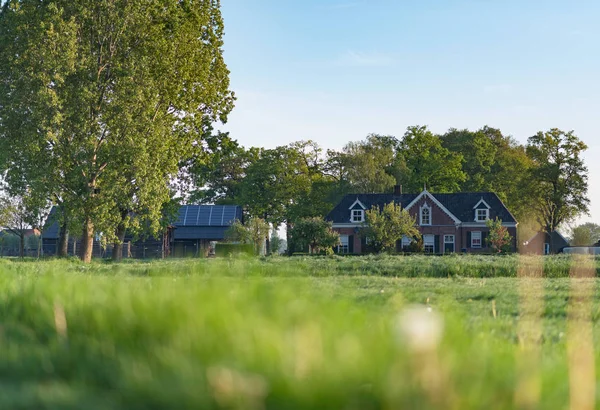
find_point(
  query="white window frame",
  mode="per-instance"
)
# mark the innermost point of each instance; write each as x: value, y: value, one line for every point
x: 359, y: 212
x: 344, y: 246
x: 486, y: 217
x: 424, y: 207
x: 449, y: 236
x: 406, y: 241
x: 429, y: 241
x: 476, y: 236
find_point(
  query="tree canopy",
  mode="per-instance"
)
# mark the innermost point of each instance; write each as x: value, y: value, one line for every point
x: 559, y: 175
x: 101, y: 101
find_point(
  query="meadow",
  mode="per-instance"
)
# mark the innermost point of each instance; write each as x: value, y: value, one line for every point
x: 293, y: 333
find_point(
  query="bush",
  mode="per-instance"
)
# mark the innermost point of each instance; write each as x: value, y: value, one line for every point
x: 229, y: 249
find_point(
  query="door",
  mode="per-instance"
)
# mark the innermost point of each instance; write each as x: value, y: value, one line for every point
x: 449, y: 244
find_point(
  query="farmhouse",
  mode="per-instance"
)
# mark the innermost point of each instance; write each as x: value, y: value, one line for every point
x: 191, y: 234
x: 448, y: 222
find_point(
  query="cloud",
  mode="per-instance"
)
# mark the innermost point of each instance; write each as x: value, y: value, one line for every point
x: 365, y: 59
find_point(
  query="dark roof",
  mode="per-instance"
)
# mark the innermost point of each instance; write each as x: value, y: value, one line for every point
x: 51, y: 228
x: 193, y: 221
x: 341, y: 212
x: 459, y: 204
x: 558, y: 241
x: 208, y: 215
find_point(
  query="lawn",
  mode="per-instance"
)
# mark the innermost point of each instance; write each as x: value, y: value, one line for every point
x: 340, y: 333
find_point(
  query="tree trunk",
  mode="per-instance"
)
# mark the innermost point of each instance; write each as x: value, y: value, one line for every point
x: 288, y: 230
x: 117, y: 252
x: 22, y: 245
x: 267, y: 245
x: 63, y: 241
x: 87, y: 240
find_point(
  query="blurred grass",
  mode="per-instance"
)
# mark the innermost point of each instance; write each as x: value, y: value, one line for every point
x: 297, y: 333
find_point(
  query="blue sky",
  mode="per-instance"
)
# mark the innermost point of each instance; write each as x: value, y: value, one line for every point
x: 335, y: 70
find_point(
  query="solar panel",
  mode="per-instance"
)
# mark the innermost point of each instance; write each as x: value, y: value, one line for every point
x: 192, y: 215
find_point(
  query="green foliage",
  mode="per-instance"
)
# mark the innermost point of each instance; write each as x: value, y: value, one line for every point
x: 385, y: 227
x: 254, y: 232
x: 425, y: 162
x: 586, y: 234
x: 102, y: 101
x: 315, y: 234
x: 233, y: 249
x: 368, y: 165
x: 560, y: 177
x: 276, y: 243
x: 498, y: 239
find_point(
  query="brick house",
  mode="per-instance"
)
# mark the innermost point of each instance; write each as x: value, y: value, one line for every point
x: 448, y: 222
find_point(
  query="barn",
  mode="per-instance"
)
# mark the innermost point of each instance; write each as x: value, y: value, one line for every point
x: 192, y: 234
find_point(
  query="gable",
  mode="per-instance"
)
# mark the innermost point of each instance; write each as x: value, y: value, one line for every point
x: 438, y: 215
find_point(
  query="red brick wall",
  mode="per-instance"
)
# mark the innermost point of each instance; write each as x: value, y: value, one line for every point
x: 438, y: 216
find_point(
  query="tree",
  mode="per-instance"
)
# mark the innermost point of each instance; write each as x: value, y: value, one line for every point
x: 368, y: 165
x: 560, y: 177
x: 18, y: 215
x: 385, y: 227
x: 110, y: 95
x: 278, y: 185
x: 254, y: 231
x: 217, y: 179
x: 585, y: 234
x: 498, y: 239
x: 479, y: 154
x: 314, y: 233
x: 424, y: 162
x: 277, y: 243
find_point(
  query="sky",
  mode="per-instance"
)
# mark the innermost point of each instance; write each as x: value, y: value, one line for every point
x: 334, y: 71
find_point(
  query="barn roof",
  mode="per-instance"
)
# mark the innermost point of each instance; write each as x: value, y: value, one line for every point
x: 193, y: 221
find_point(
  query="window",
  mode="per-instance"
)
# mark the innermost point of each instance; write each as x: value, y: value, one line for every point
x: 448, y: 238
x: 406, y: 241
x: 546, y: 249
x: 482, y: 215
x: 357, y: 215
x: 343, y: 247
x: 475, y: 239
x: 426, y: 215
x: 429, y: 243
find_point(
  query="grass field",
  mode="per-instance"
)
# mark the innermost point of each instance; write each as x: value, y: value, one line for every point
x: 339, y: 333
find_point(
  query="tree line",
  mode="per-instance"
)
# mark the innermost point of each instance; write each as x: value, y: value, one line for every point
x: 543, y: 182
x: 108, y: 108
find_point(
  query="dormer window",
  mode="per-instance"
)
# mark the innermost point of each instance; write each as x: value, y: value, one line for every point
x: 482, y: 211
x: 425, y: 215
x: 358, y: 215
x: 482, y: 215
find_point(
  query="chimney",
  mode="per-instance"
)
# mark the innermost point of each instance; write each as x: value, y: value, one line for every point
x: 397, y: 189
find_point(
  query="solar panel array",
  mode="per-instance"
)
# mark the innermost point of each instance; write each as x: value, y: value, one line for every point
x: 207, y: 215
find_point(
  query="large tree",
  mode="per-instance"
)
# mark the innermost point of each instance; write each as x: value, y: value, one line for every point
x: 585, y: 234
x: 497, y: 163
x: 108, y: 93
x: 367, y: 166
x: 424, y: 162
x: 560, y: 177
